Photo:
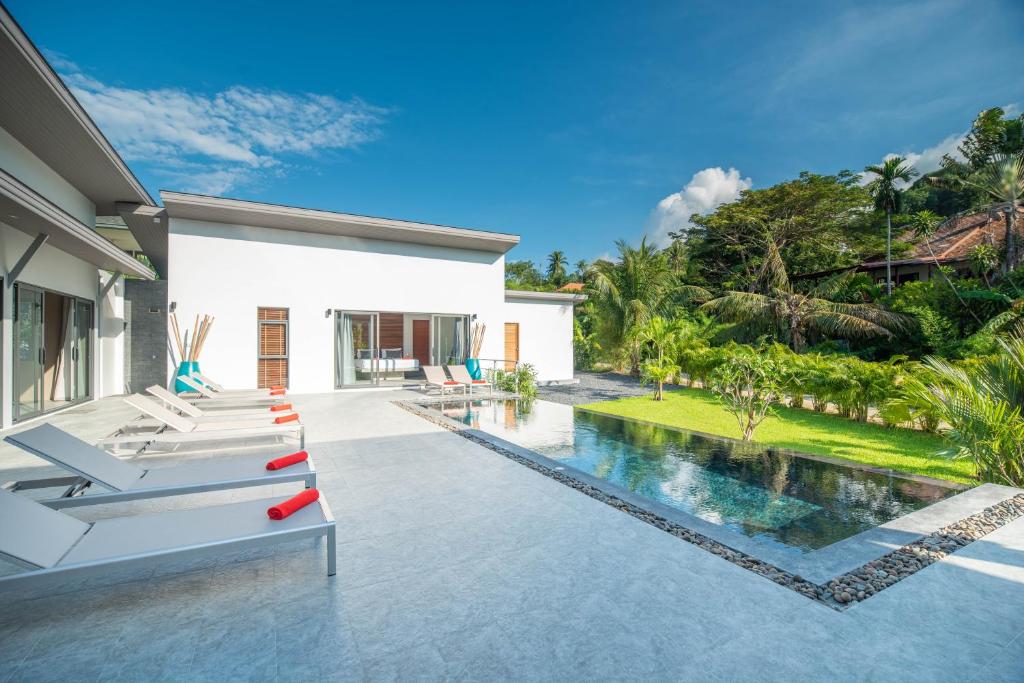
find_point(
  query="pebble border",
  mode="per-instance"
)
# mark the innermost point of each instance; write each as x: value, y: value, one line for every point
x: 839, y: 593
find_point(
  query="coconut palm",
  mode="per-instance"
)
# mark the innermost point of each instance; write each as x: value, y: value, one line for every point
x: 793, y: 315
x: 883, y: 188
x: 581, y: 270
x: 556, y: 267
x: 983, y: 406
x: 1003, y: 181
x: 627, y: 293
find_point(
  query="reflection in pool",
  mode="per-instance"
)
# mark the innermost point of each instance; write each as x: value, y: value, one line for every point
x: 785, y: 499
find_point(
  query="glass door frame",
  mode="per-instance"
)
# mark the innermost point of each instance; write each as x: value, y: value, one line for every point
x: 435, y: 318
x: 374, y: 346
x: 73, y: 360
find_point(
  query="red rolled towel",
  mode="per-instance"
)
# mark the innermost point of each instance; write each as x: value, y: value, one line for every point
x: 286, y: 460
x: 280, y: 406
x: 293, y: 504
x: 277, y: 392
x: 294, y: 417
x: 451, y: 383
x: 479, y: 381
x: 276, y: 387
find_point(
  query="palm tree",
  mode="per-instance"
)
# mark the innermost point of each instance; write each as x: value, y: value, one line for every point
x: 627, y: 293
x: 793, y: 315
x: 887, y: 198
x: 556, y: 267
x: 924, y: 224
x: 1003, y: 180
x: 581, y: 270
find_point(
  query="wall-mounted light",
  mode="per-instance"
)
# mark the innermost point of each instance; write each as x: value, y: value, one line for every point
x: 327, y: 313
x: 173, y: 306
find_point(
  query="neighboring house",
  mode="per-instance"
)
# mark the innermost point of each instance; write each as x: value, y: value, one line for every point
x: 950, y: 246
x: 573, y: 287
x: 62, y: 329
x: 319, y: 300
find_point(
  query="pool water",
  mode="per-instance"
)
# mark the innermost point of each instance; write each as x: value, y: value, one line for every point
x: 788, y: 500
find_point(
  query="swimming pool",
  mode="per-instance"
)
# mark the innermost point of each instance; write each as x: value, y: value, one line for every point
x: 788, y: 500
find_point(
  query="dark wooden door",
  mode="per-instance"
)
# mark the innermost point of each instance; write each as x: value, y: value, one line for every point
x: 421, y: 341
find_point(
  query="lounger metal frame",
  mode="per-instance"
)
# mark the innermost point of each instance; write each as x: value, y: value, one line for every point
x: 74, y: 496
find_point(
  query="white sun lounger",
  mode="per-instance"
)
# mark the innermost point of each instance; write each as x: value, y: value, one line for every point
x: 208, y: 394
x: 104, y: 478
x: 437, y: 379
x: 459, y: 373
x: 52, y: 545
x: 180, y: 429
x: 221, y: 390
x: 211, y: 412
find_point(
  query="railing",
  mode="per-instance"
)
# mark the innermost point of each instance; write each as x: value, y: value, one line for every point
x: 496, y: 364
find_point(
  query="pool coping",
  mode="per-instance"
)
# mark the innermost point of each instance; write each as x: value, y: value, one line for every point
x: 812, y: 573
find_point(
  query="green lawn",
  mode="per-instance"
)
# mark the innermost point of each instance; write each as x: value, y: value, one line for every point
x: 903, y: 450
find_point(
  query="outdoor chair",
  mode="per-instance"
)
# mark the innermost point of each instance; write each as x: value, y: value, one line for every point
x: 177, y: 429
x: 218, y: 412
x: 207, y: 394
x: 459, y: 373
x: 437, y: 379
x: 53, y: 545
x: 104, y: 478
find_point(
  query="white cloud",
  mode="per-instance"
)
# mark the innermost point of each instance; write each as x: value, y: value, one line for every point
x: 705, y: 191
x: 927, y: 160
x: 215, y: 142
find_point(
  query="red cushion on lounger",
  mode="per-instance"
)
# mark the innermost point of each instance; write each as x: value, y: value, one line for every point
x: 479, y: 381
x: 451, y: 383
x: 294, y: 417
x: 280, y: 406
x: 277, y: 392
x: 276, y: 387
x: 286, y: 460
x: 293, y: 504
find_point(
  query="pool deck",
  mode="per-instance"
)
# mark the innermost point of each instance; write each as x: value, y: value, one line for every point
x: 457, y: 563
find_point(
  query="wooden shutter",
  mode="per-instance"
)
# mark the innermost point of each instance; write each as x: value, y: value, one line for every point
x: 272, y: 362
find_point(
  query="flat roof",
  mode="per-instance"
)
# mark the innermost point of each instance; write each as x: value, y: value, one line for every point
x: 281, y: 217
x: 39, y: 110
x: 562, y: 297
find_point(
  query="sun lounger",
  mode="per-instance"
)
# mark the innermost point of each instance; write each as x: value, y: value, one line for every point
x: 104, y: 478
x: 437, y: 379
x: 210, y: 412
x: 208, y: 394
x: 52, y: 545
x: 180, y: 429
x: 459, y: 373
x: 218, y: 390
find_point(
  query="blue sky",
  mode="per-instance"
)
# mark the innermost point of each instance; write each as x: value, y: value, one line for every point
x: 572, y: 124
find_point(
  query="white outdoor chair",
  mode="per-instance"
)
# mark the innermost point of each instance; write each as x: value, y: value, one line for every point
x: 177, y: 429
x: 459, y: 373
x: 208, y: 412
x: 104, y: 478
x: 235, y: 400
x: 221, y: 391
x: 52, y: 545
x: 437, y: 379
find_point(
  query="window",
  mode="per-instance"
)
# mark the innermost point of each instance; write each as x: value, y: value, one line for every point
x: 909, y: 277
x: 272, y: 362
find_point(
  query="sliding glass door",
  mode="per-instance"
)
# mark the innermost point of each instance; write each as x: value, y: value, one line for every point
x: 52, y: 350
x: 449, y: 339
x: 28, y: 352
x: 356, y: 345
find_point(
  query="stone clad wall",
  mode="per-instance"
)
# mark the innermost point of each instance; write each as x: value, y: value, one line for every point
x: 145, y: 358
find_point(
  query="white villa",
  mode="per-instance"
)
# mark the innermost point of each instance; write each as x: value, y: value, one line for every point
x: 312, y: 299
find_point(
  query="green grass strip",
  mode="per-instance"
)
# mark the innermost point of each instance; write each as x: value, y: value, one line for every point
x: 903, y: 450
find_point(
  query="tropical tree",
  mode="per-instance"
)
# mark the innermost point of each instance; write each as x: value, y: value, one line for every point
x: 983, y: 406
x: 1003, y: 181
x: 924, y: 224
x: 885, y: 191
x: 581, y: 270
x: 627, y: 293
x: 556, y: 267
x: 659, y: 371
x: 748, y: 383
x: 793, y: 315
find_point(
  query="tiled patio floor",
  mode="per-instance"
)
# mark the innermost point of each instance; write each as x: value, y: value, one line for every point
x: 454, y: 562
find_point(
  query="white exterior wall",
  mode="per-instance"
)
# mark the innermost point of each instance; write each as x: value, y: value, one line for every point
x: 545, y: 336
x: 58, y: 271
x: 228, y: 271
